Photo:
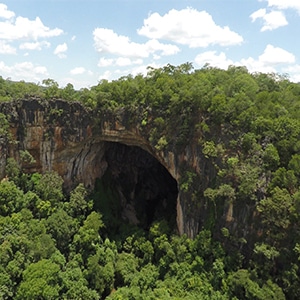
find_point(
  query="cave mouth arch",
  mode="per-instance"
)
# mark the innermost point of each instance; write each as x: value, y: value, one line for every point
x: 135, y: 187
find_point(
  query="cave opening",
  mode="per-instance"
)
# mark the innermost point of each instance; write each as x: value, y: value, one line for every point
x: 135, y: 188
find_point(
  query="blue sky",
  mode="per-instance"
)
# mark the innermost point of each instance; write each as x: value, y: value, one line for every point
x: 84, y: 41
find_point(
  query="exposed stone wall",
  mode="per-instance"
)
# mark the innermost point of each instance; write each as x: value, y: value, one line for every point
x: 62, y: 136
x: 67, y: 138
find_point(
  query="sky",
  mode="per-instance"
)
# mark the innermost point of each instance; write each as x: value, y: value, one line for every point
x: 85, y: 41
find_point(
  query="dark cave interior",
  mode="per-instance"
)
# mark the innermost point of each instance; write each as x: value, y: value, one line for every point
x: 135, y: 188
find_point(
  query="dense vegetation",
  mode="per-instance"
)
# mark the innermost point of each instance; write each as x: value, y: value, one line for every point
x: 56, y: 246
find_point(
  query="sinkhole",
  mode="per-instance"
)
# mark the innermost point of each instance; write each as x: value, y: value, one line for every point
x: 135, y: 188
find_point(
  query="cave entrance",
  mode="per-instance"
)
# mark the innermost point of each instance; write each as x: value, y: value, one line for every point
x: 135, y: 188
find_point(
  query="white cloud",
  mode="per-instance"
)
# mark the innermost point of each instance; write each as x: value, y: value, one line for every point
x: 107, y: 41
x: 35, y: 45
x: 106, y: 75
x: 142, y: 69
x: 256, y: 65
x: 60, y: 50
x: 23, y: 71
x: 275, y: 55
x: 189, y: 27
x: 105, y: 62
x: 258, y: 14
x: 272, y: 20
x: 24, y: 28
x: 285, y: 4
x: 138, y: 69
x: 6, y: 48
x: 294, y: 72
x: 123, y: 61
x: 77, y: 71
x: 154, y: 45
x: 213, y: 59
x: 5, y: 13
x: 268, y: 62
x: 78, y: 83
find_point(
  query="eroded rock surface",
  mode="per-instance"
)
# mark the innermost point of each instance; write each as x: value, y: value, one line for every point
x: 82, y: 145
x: 64, y: 137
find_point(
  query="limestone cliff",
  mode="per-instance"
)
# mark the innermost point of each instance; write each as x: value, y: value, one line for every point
x: 75, y: 142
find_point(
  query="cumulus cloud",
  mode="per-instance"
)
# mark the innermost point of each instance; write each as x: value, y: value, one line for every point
x: 186, y: 27
x: 6, y: 48
x: 189, y: 27
x: 284, y: 4
x: 213, y: 59
x: 105, y: 62
x: 106, y: 75
x: 135, y: 70
x: 5, y: 13
x: 107, y: 41
x: 294, y: 72
x: 272, y: 20
x: 35, y: 45
x: 25, y: 29
x: 20, y: 29
x: 123, y: 61
x: 267, y: 62
x: 23, y: 71
x: 61, y: 50
x: 78, y: 71
x: 143, y: 69
x: 274, y: 56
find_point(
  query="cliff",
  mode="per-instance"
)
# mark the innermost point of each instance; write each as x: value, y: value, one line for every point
x: 81, y: 145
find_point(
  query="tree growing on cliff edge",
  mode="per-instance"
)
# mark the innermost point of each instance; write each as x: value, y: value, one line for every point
x: 52, y: 88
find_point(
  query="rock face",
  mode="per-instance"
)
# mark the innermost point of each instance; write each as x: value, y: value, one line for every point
x: 62, y: 136
x: 67, y: 138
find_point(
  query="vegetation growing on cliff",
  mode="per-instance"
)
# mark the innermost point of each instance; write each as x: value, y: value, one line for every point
x: 247, y: 129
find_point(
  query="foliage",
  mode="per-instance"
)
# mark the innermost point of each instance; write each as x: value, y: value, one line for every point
x: 66, y: 255
x: 245, y: 128
x: 40, y: 281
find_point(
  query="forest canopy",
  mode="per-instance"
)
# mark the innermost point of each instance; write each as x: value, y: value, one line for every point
x: 55, y: 245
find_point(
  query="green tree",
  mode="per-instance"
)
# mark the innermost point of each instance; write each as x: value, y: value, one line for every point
x: 68, y: 92
x: 88, y: 235
x: 243, y: 286
x: 62, y: 228
x: 40, y: 281
x: 74, y: 285
x: 49, y: 188
x: 126, y: 268
x: 11, y: 198
x: 52, y: 88
x: 271, y: 157
x: 6, y: 285
x: 276, y: 210
x: 101, y: 268
x: 79, y: 204
x: 294, y: 164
